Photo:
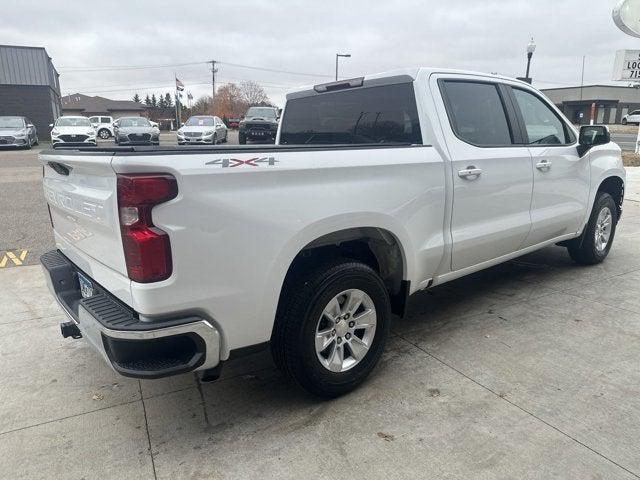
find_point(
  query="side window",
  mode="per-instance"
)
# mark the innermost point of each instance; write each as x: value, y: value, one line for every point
x: 543, y: 126
x: 477, y: 114
x: 93, y: 119
x: 104, y: 120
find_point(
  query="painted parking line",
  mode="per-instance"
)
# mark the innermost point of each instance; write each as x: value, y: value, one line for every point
x: 13, y: 258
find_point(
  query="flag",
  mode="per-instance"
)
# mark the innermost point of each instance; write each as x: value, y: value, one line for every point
x: 179, y: 85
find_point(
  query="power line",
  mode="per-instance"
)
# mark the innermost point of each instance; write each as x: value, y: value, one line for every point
x: 264, y: 69
x: 102, y: 68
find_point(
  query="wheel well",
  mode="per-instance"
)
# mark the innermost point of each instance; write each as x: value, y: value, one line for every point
x: 614, y: 187
x: 374, y: 247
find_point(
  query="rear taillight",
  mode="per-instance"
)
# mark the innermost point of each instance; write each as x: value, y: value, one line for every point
x: 147, y: 249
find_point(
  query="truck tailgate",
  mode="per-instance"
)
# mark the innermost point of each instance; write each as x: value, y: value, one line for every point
x: 80, y: 189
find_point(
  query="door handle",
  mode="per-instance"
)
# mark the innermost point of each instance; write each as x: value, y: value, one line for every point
x: 543, y: 165
x: 470, y: 171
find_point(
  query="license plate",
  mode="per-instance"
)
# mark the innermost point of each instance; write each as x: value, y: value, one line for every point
x: 86, y: 286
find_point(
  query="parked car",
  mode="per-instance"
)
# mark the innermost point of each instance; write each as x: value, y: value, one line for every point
x: 202, y: 129
x: 103, y: 126
x: 259, y: 123
x: 233, y: 122
x: 17, y: 132
x: 73, y: 131
x: 633, y: 118
x: 380, y: 187
x: 135, y: 131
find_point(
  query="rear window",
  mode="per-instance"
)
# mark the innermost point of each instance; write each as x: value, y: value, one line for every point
x: 385, y: 114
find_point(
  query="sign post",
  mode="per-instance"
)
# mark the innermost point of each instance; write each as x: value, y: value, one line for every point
x: 626, y: 15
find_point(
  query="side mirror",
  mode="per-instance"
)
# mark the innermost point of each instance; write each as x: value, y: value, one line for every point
x: 30, y: 125
x: 51, y: 125
x: 592, y: 135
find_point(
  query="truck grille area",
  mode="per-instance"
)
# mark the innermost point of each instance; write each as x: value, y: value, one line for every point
x: 193, y: 134
x: 4, y: 140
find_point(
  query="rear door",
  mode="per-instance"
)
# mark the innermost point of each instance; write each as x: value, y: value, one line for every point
x: 560, y: 177
x: 492, y: 176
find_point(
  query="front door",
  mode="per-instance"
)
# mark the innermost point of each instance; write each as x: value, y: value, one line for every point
x: 492, y: 176
x: 560, y: 176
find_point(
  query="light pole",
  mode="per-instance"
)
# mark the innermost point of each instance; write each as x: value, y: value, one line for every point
x: 530, y: 49
x: 338, y: 55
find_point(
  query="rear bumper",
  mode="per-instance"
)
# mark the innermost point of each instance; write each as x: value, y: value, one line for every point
x: 133, y: 347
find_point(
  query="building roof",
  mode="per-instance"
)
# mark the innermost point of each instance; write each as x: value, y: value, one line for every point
x: 27, y: 66
x: 85, y: 103
x: 585, y: 86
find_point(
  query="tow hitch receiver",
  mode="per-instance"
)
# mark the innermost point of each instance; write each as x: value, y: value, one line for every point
x: 70, y: 329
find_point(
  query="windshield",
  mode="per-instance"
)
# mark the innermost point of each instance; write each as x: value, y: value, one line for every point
x: 73, y: 122
x: 133, y: 122
x: 261, y: 112
x: 200, y: 122
x: 11, y: 122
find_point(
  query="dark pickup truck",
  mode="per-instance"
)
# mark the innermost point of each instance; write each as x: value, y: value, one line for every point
x: 259, y: 123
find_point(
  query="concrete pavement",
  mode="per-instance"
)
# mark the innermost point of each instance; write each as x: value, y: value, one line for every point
x: 526, y: 370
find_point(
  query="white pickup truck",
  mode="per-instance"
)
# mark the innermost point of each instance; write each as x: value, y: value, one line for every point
x: 172, y: 260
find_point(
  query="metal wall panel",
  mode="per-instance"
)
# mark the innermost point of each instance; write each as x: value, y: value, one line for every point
x: 26, y: 66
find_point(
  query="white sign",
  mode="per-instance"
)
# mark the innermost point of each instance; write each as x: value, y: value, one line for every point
x: 627, y: 65
x: 627, y: 17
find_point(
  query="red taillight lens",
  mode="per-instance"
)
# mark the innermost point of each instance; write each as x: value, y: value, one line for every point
x: 147, y: 249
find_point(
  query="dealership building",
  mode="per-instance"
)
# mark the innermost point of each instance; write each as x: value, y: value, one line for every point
x: 612, y: 102
x: 29, y: 86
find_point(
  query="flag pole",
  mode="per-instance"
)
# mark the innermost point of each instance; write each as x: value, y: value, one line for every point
x: 177, y: 101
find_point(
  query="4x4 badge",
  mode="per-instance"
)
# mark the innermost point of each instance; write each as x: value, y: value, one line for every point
x: 236, y: 162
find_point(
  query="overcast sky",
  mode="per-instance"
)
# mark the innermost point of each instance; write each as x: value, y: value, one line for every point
x: 303, y: 36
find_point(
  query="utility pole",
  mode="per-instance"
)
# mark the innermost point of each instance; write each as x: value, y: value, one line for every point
x: 213, y: 85
x: 582, y: 79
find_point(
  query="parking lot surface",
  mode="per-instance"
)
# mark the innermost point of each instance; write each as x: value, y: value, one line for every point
x: 526, y: 370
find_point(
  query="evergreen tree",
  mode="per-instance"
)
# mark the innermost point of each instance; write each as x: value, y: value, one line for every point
x: 154, y: 100
x: 136, y: 98
x: 147, y: 100
x: 161, y: 102
x: 167, y: 99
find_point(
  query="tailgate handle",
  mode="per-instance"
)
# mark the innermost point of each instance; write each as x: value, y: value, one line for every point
x: 60, y: 168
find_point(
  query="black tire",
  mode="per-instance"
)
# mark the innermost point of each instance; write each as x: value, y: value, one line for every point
x: 302, y: 303
x: 214, y: 141
x: 624, y: 121
x: 583, y: 249
x: 242, y: 139
x: 104, y: 134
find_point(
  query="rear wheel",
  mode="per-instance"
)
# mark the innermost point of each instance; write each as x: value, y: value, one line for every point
x: 104, y: 134
x: 331, y: 327
x: 594, y: 244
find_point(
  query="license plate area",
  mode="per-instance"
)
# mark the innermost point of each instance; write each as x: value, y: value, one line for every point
x: 86, y: 286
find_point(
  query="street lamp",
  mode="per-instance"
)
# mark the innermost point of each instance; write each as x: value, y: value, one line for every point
x: 345, y: 55
x: 530, y: 49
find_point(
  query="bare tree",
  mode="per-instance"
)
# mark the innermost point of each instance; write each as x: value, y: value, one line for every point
x: 254, y: 94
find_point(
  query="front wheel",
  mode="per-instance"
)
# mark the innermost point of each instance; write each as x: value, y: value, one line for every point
x: 331, y: 327
x: 104, y: 134
x: 242, y: 139
x: 594, y: 244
